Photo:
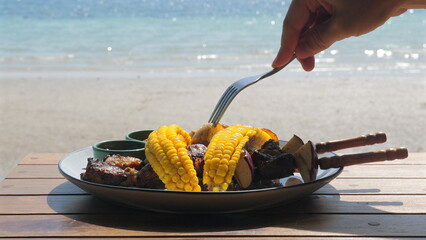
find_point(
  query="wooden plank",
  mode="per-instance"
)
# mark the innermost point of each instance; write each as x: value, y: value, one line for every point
x: 275, y: 223
x: 413, y: 158
x: 54, y: 204
x: 384, y: 171
x: 356, y: 171
x: 234, y: 238
x: 337, y: 186
x: 38, y: 187
x: 42, y: 158
x: 81, y: 204
x: 35, y: 171
x: 53, y: 158
x: 376, y: 186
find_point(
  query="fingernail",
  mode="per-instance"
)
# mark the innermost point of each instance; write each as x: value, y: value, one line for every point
x: 274, y: 63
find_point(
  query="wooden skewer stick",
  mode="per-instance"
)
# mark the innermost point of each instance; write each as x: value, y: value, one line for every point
x: 363, y: 140
x: 352, y: 159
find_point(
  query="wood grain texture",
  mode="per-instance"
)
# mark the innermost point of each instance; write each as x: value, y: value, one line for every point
x: 42, y: 158
x: 337, y: 186
x: 266, y: 223
x: 368, y: 201
x: 226, y: 237
x: 324, y: 204
x: 233, y: 238
x: 38, y: 187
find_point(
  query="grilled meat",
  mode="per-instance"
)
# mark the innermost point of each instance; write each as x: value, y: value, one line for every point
x: 197, y: 152
x: 124, y: 162
x: 147, y: 178
x: 272, y: 163
x: 98, y: 171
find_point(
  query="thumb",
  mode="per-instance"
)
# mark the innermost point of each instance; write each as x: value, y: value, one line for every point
x: 317, y: 39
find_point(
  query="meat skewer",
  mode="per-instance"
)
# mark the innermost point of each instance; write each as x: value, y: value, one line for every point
x: 360, y: 141
x: 307, y: 161
x: 359, y: 158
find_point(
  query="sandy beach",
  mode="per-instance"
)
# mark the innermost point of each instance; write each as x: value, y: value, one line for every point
x: 62, y: 114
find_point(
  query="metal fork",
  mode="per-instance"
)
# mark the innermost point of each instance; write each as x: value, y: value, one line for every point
x: 237, y: 87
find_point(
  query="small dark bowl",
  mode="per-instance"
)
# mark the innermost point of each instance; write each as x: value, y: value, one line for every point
x: 140, y: 135
x: 122, y: 147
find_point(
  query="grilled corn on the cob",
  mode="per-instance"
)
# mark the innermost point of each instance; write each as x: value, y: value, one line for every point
x: 224, y: 152
x: 166, y: 150
x: 167, y: 153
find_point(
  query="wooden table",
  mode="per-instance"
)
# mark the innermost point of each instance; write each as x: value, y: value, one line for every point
x: 372, y: 200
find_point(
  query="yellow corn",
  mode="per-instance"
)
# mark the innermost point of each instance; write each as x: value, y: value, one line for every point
x: 167, y: 153
x: 224, y: 152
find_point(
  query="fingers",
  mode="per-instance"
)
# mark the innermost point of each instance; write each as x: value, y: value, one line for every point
x: 295, y: 21
x: 284, y: 55
x: 308, y: 63
x: 319, y: 38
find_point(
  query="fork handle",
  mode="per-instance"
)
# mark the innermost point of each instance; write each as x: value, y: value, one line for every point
x: 363, y: 140
x: 359, y: 158
x: 275, y: 70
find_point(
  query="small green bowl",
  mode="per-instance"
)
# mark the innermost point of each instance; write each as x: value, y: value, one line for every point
x: 122, y: 147
x: 140, y: 135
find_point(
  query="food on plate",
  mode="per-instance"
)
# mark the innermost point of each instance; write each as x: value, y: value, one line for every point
x: 307, y: 161
x: 98, y: 171
x: 124, y: 162
x: 226, y: 158
x: 272, y: 163
x: 121, y: 171
x: 293, y: 144
x: 167, y: 151
x: 211, y: 158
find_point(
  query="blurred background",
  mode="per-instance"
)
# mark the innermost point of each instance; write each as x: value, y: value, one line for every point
x: 74, y: 72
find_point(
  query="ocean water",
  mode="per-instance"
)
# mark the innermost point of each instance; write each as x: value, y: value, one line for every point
x: 185, y: 36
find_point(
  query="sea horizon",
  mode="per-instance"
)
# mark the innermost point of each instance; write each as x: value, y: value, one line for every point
x: 156, y: 38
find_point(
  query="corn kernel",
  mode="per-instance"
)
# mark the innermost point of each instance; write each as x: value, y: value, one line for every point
x: 176, y: 178
x: 180, y: 184
x: 181, y: 171
x: 192, y: 173
x: 194, y: 181
x: 221, y: 173
x: 212, y: 173
x: 223, y: 167
x: 185, y: 178
x: 188, y: 187
x: 218, y: 179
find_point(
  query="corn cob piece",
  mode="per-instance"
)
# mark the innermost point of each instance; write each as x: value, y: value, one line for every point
x: 224, y: 152
x: 167, y: 153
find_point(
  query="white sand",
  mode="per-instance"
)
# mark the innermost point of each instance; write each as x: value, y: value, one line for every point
x: 63, y: 115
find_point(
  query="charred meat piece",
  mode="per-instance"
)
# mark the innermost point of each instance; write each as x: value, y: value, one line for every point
x: 274, y: 166
x: 270, y: 147
x: 197, y: 152
x: 98, y: 171
x: 132, y: 178
x: 271, y: 163
x: 124, y: 162
x: 149, y: 179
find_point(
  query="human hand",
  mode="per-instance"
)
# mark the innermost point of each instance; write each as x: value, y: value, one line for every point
x: 311, y: 26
